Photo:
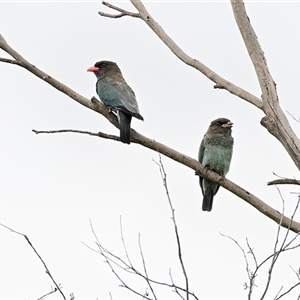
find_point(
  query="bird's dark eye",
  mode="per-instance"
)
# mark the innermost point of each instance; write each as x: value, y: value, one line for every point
x: 218, y: 124
x: 103, y: 65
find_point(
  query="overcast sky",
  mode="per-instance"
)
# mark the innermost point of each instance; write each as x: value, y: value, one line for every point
x: 51, y: 186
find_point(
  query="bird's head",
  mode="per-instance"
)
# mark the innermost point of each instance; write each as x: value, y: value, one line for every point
x: 220, y: 126
x: 104, y: 68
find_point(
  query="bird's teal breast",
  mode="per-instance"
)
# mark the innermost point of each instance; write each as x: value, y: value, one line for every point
x: 218, y: 157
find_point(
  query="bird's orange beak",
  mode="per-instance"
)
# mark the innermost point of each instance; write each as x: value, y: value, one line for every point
x: 92, y: 69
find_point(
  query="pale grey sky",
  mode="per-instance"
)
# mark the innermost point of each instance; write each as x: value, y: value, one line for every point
x: 52, y: 185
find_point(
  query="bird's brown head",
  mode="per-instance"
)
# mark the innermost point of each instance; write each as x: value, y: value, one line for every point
x: 104, y: 68
x: 220, y: 126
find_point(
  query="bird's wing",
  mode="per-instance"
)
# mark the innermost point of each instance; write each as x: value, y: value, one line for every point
x: 117, y: 94
x: 201, y: 152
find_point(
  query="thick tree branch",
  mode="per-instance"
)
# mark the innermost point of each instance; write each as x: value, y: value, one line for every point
x: 138, y: 138
x: 220, y: 82
x: 93, y: 104
x: 275, y: 120
x: 206, y: 173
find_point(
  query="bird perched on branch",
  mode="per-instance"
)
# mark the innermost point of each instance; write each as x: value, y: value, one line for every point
x: 117, y: 95
x: 215, y: 153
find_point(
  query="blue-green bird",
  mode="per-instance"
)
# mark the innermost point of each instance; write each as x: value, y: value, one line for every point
x: 215, y: 153
x: 117, y: 95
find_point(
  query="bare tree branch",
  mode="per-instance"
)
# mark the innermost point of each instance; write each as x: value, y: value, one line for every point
x: 206, y: 173
x: 297, y: 120
x: 99, y: 134
x: 164, y: 178
x: 97, y: 106
x: 114, y: 260
x: 220, y: 82
x: 176, y: 290
x: 57, y: 286
x: 251, y: 277
x: 145, y: 269
x: 51, y: 292
x: 284, y: 181
x: 275, y: 120
x: 284, y: 246
x: 122, y: 12
x: 289, y: 290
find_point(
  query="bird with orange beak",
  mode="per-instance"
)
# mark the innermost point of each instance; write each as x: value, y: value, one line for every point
x: 117, y: 95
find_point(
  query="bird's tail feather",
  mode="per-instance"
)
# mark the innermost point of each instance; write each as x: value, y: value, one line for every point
x: 208, y: 201
x: 124, y: 122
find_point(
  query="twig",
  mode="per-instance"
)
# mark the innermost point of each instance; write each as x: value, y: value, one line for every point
x: 276, y: 252
x: 251, y: 252
x: 122, y: 12
x: 285, y: 246
x: 297, y: 120
x: 284, y: 181
x: 251, y: 277
x: 145, y: 269
x: 99, y: 134
x: 113, y: 260
x: 124, y: 245
x: 164, y: 178
x: 10, y: 61
x: 289, y: 290
x: 110, y: 296
x: 296, y: 272
x: 103, y: 252
x: 51, y: 292
x: 175, y: 289
x: 35, y: 251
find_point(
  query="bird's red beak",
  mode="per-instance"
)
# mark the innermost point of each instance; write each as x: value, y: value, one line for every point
x: 92, y: 69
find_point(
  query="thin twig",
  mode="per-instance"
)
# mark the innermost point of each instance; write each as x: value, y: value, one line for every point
x: 285, y: 246
x: 251, y: 252
x: 10, y: 61
x: 164, y: 178
x: 145, y: 269
x: 112, y: 259
x: 284, y: 181
x: 175, y: 289
x: 124, y: 245
x: 278, y: 293
x: 38, y: 255
x: 289, y: 290
x: 297, y: 120
x: 99, y: 134
x: 251, y: 277
x: 123, y: 12
x: 108, y: 261
x: 51, y: 292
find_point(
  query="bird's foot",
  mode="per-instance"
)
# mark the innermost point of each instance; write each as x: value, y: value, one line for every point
x: 206, y: 167
x: 222, y: 177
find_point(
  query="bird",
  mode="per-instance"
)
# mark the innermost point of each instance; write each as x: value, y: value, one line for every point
x: 215, y: 153
x: 117, y: 95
